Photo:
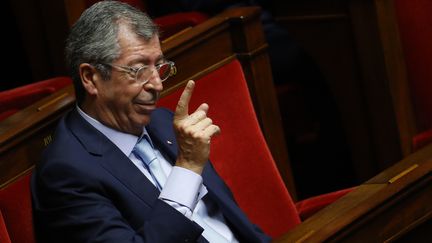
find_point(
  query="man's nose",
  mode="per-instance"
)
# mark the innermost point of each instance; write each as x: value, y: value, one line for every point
x: 154, y: 82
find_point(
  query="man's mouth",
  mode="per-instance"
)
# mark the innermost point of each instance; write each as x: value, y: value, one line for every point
x: 145, y: 107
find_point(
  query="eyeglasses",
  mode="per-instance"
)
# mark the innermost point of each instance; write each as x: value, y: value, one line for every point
x: 143, y: 74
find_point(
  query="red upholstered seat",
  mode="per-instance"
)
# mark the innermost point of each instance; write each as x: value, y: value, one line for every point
x: 240, y: 154
x: 15, y: 206
x: 414, y: 20
x: 4, y: 236
x: 18, y: 98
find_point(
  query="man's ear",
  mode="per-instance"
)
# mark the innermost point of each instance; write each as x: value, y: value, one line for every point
x: 89, y: 78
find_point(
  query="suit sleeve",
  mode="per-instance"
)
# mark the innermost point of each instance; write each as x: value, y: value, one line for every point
x: 71, y: 206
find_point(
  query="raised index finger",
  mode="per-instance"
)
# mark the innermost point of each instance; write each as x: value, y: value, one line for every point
x: 182, y: 108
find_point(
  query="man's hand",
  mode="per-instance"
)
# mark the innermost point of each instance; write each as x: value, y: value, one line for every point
x: 193, y: 132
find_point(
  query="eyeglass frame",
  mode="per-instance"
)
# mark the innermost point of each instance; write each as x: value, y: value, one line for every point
x: 134, y: 71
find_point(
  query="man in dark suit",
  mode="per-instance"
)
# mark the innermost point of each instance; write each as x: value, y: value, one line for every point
x: 97, y: 181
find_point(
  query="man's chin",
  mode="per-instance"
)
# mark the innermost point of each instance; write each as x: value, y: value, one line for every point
x: 138, y: 123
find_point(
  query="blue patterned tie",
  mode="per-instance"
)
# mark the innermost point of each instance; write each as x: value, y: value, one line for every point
x: 144, y: 151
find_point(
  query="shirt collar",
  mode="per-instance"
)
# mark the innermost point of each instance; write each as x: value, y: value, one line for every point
x: 124, y: 141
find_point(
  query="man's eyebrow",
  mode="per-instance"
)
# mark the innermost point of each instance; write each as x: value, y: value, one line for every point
x: 146, y: 60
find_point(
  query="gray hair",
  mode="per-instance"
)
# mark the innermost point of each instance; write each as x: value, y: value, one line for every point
x: 93, y: 38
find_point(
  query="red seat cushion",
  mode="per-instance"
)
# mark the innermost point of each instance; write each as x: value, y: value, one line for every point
x: 4, y: 236
x: 18, y: 98
x: 15, y: 205
x: 422, y: 139
x: 7, y: 113
x: 240, y: 154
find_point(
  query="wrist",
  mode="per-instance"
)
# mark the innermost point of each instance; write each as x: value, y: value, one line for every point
x: 190, y: 165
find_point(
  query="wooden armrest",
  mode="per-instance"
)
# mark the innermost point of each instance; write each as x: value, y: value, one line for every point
x: 395, y: 203
x: 24, y: 135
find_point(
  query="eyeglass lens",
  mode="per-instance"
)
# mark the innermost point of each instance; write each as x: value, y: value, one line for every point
x: 163, y: 70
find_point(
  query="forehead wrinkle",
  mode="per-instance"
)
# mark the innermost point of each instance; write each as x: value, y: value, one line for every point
x: 136, y: 49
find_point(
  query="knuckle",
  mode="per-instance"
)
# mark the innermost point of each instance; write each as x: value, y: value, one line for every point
x: 216, y: 128
x: 201, y: 113
x: 179, y: 106
x: 204, y: 139
x: 180, y: 126
x: 197, y: 135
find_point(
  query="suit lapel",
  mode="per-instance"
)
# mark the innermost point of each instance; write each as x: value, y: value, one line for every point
x: 112, y: 159
x: 162, y: 134
x: 120, y: 166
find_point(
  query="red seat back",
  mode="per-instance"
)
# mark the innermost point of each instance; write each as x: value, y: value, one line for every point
x: 174, y: 23
x: 4, y: 236
x: 15, y: 205
x: 414, y: 20
x: 240, y: 154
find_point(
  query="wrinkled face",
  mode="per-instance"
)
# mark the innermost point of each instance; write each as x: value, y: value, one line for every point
x: 121, y: 103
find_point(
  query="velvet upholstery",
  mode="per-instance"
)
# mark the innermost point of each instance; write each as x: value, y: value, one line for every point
x: 240, y: 154
x: 174, y: 23
x: 422, y: 139
x: 15, y: 205
x: 414, y: 20
x: 18, y: 98
x: 310, y: 206
x: 4, y: 236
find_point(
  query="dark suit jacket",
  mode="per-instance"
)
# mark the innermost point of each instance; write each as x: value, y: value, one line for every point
x: 86, y: 190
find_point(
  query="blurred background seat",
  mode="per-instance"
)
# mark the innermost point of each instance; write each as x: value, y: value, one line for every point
x: 4, y: 235
x: 415, y: 30
x: 17, y: 219
x: 18, y: 98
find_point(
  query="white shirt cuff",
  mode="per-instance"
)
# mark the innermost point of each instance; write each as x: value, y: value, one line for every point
x: 184, y: 187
